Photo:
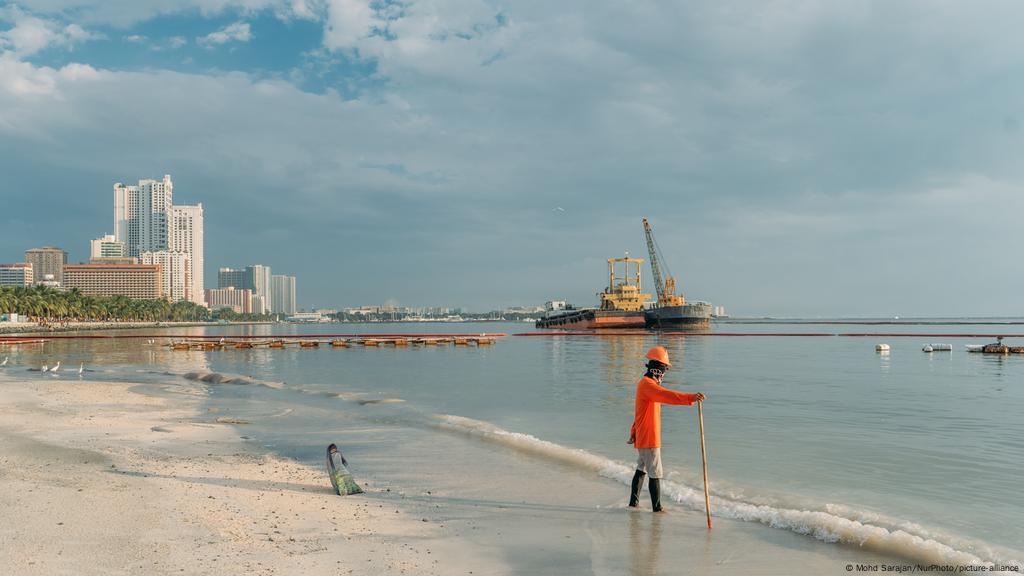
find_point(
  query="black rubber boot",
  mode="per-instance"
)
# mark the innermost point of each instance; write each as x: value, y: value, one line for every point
x: 655, y: 487
x: 634, y: 493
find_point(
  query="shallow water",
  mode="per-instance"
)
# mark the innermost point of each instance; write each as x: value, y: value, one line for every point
x: 914, y: 455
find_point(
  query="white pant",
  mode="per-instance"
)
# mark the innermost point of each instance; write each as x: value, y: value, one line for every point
x: 649, y: 461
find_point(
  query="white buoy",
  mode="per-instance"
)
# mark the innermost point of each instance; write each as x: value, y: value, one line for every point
x: 942, y: 347
x: 927, y: 348
x: 975, y: 347
x: 881, y: 347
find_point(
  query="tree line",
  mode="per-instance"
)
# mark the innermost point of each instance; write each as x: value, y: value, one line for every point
x: 50, y: 305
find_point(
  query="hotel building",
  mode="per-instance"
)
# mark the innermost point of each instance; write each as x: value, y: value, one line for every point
x: 136, y: 281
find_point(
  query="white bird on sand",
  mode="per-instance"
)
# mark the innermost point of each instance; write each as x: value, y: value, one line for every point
x: 4, y: 363
x: 55, y: 368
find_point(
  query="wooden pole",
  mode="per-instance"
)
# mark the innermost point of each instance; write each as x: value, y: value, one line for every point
x: 704, y: 460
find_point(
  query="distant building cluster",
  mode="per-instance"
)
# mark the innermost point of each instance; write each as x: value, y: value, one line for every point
x: 266, y: 293
x: 409, y: 313
x: 155, y: 252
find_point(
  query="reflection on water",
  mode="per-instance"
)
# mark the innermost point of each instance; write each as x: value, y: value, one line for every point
x: 644, y: 542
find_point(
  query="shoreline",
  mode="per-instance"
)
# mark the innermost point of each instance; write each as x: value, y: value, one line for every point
x: 35, y: 329
x: 106, y: 479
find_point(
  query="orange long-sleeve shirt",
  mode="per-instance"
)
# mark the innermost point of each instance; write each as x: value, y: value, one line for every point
x: 650, y: 396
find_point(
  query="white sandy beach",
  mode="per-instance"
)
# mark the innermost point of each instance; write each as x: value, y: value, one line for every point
x: 98, y: 479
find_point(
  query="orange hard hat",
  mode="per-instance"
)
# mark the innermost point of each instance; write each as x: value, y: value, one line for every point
x: 659, y: 354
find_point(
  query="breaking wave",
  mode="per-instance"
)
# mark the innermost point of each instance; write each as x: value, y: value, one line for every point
x: 835, y: 523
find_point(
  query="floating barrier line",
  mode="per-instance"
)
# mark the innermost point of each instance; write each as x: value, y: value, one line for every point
x: 881, y: 322
x: 234, y: 337
x: 255, y: 336
x: 783, y: 334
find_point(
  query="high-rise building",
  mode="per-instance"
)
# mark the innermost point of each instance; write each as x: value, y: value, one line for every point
x: 186, y: 235
x: 176, y: 273
x: 47, y: 261
x: 136, y: 281
x: 142, y: 215
x: 282, y: 292
x: 261, y: 280
x: 146, y: 220
x: 233, y: 278
x: 238, y: 299
x: 16, y: 274
x: 106, y: 247
x: 256, y: 278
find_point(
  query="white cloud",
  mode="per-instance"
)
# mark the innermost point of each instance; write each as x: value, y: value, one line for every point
x: 30, y: 34
x: 123, y: 13
x: 349, y: 22
x: 236, y: 32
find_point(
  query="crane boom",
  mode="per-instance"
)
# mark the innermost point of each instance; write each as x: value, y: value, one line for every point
x: 667, y: 288
x: 655, y: 265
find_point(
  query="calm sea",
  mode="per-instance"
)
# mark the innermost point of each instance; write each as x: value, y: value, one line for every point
x: 915, y: 454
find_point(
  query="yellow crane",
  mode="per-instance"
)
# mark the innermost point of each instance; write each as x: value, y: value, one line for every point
x: 666, y: 290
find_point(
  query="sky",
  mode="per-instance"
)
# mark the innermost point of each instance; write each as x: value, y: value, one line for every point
x: 795, y: 158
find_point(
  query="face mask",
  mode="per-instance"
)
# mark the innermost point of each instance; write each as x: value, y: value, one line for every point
x: 657, y: 373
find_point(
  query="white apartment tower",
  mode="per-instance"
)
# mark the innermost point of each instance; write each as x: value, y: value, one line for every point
x: 186, y: 235
x: 262, y: 284
x: 142, y: 214
x: 146, y: 220
x: 283, y: 294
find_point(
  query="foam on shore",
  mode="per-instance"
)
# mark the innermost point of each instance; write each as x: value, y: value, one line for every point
x: 834, y: 524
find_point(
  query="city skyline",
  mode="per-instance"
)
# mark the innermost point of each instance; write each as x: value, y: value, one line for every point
x: 156, y: 252
x: 822, y: 162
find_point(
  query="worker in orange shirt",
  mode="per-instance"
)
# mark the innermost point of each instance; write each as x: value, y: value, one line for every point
x: 645, y: 435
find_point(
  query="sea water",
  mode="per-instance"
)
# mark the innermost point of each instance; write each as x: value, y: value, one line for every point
x: 906, y: 456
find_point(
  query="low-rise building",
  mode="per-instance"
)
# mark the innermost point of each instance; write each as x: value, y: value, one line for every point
x: 237, y: 299
x: 136, y: 281
x: 16, y: 274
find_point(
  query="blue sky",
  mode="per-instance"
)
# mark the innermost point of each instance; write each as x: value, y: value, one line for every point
x: 796, y: 158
